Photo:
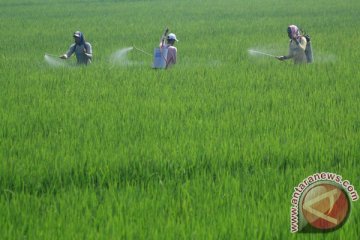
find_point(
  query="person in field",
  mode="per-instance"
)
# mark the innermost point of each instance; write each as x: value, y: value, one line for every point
x: 297, y: 46
x: 171, y: 49
x: 81, y: 48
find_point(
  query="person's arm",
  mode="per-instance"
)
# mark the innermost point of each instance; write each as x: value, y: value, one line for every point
x: 302, y: 43
x: 88, y: 50
x: 174, y: 55
x: 171, y: 57
x: 162, y: 42
x: 282, y: 58
x: 69, y: 52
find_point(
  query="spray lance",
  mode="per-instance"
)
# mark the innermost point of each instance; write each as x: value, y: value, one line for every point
x: 255, y: 52
x: 163, y: 37
x: 261, y: 53
x: 140, y: 50
x: 51, y: 55
x: 159, y: 55
x: 162, y: 43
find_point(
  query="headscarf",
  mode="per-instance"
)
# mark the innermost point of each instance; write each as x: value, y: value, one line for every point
x: 293, y: 31
x: 81, y: 36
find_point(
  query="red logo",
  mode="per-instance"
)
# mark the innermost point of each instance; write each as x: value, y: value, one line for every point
x: 325, y: 206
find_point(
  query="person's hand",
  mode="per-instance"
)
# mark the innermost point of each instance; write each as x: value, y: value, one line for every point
x: 63, y: 56
x: 296, y: 40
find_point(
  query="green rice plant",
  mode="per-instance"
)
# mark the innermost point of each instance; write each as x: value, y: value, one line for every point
x: 210, y: 149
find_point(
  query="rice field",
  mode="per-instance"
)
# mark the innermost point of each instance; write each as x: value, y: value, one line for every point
x: 210, y: 149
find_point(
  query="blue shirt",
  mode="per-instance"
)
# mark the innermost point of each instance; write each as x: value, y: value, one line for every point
x: 81, y: 56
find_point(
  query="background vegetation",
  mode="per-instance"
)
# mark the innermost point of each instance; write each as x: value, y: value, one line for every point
x: 210, y: 149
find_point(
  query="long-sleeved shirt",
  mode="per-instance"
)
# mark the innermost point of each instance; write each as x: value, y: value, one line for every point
x: 81, y: 56
x: 297, y: 50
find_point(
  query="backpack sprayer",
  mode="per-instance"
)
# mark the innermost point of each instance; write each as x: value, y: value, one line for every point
x: 160, y: 53
x: 308, y: 49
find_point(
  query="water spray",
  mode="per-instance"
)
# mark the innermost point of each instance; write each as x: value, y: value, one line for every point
x: 54, y: 60
x: 261, y: 53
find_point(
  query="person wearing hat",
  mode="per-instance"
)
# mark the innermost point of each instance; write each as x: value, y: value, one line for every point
x: 297, y: 46
x: 171, y: 49
x: 81, y: 48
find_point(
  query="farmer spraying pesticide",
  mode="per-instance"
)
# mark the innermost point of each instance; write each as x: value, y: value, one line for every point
x: 299, y: 47
x: 81, y: 48
x: 165, y: 55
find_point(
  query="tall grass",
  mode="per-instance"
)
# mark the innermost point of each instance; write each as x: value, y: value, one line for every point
x: 210, y: 149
